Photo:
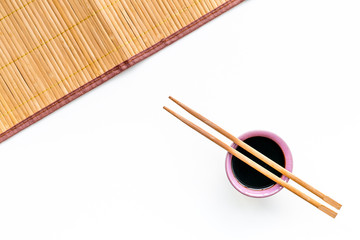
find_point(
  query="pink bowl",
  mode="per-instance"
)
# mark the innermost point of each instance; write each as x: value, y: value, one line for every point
x: 259, y: 193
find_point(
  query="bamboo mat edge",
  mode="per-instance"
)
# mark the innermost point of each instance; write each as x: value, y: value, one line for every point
x: 118, y: 69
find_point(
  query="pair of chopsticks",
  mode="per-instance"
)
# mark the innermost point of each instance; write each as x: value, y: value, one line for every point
x: 260, y: 156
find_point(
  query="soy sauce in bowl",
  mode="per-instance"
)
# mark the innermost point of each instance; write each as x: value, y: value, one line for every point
x: 247, y: 175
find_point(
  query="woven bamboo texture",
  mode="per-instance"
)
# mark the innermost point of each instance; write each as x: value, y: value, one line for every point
x: 51, y: 52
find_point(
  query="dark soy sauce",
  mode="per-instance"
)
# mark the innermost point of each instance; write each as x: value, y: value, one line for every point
x: 248, y: 176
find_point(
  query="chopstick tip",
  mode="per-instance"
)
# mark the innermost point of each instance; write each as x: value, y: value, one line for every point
x: 166, y: 108
x: 176, y: 101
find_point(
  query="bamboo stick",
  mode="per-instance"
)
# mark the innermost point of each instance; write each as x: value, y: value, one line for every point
x: 259, y: 155
x: 254, y: 165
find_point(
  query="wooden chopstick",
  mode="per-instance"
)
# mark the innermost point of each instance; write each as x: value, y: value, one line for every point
x: 254, y: 165
x: 259, y: 155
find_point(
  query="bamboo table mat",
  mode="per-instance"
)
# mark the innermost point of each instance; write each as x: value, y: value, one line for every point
x: 52, y: 52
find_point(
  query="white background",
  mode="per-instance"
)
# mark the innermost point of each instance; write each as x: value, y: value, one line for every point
x: 114, y: 165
